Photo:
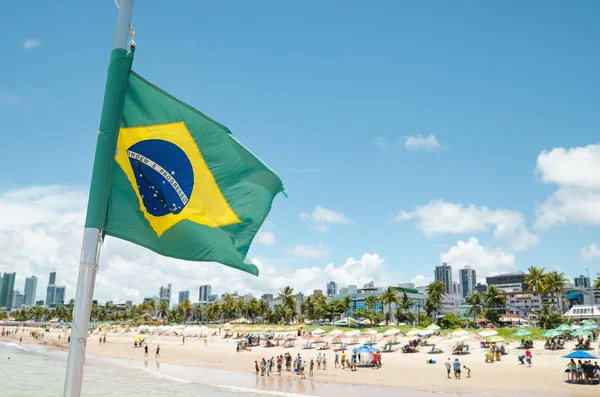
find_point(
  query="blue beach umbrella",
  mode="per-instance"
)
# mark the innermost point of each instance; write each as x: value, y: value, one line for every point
x: 366, y: 349
x: 580, y: 354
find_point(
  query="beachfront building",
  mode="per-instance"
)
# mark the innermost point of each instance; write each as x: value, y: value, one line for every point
x: 584, y: 312
x: 582, y: 282
x: 204, y: 293
x: 18, y: 300
x: 267, y: 297
x: 331, y: 289
x: 165, y: 293
x: 468, y: 280
x: 183, y: 295
x: 52, y: 278
x: 406, y: 285
x: 7, y: 288
x: 443, y: 273
x: 59, y: 295
x: 456, y: 288
x: 30, y: 289
x: 508, y: 282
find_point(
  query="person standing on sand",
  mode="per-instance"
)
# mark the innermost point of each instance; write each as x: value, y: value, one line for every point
x: 457, y: 369
x: 324, y: 362
x: 448, y: 367
x: 311, y: 368
x: 528, y: 356
x: 183, y: 340
x: 157, y: 351
x: 319, y: 360
x: 256, y: 369
x: 146, y: 350
x: 205, y: 341
x: 100, y: 341
x: 336, y: 362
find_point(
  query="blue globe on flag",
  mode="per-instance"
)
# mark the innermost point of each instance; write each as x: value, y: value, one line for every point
x: 164, y: 176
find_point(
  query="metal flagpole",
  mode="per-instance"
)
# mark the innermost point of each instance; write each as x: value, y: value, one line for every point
x: 90, y: 253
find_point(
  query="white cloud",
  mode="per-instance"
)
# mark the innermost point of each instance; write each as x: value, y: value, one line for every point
x: 419, y: 142
x: 323, y: 218
x: 441, y: 217
x: 576, y: 171
x: 311, y: 251
x: 590, y: 253
x: 31, y: 44
x: 382, y: 142
x: 265, y: 238
x: 485, y: 261
x: 41, y: 229
x: 420, y: 280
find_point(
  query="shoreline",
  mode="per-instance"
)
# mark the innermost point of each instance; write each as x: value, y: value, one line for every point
x: 408, y: 372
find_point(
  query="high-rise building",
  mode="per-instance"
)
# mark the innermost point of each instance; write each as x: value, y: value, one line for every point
x: 331, y: 288
x: 267, y: 297
x: 183, y: 295
x: 456, y: 289
x: 468, y: 280
x: 7, y: 293
x: 165, y: 293
x: 50, y: 294
x: 443, y: 273
x: 18, y: 300
x: 509, y: 282
x: 59, y: 297
x: 406, y: 285
x: 582, y: 282
x: 30, y: 289
x: 52, y: 279
x: 205, y: 292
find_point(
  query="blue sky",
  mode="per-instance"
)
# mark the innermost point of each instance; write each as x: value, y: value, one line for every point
x: 327, y: 94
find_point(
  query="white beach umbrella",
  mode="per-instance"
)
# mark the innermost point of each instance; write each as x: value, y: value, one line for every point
x: 426, y: 332
x: 318, y: 331
x: 488, y: 332
x: 370, y: 332
x: 575, y: 327
x: 353, y: 333
x: 335, y: 332
x: 460, y: 338
x: 391, y: 331
x: 459, y: 332
x: 434, y: 327
x: 413, y: 332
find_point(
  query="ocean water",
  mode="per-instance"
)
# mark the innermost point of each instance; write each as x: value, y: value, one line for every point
x: 35, y: 371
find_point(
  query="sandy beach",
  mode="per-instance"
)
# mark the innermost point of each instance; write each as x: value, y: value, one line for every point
x: 409, y: 371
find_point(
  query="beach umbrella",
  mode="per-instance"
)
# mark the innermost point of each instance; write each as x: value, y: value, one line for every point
x: 584, y: 322
x: 413, y: 332
x: 496, y: 339
x: 353, y: 333
x: 459, y: 332
x: 552, y: 333
x: 563, y: 327
x: 434, y: 327
x: 435, y: 339
x: 575, y: 327
x: 370, y: 332
x: 488, y: 332
x: 426, y: 332
x: 590, y: 326
x: 391, y: 332
x: 318, y: 331
x: 580, y: 354
x: 581, y: 332
x: 522, y: 332
x: 335, y: 332
x: 365, y: 349
x: 460, y: 338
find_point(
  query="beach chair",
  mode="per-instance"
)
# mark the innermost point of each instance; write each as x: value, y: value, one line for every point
x: 341, y: 348
x: 308, y: 345
x: 388, y: 348
x: 289, y: 343
x: 435, y: 350
x: 325, y: 346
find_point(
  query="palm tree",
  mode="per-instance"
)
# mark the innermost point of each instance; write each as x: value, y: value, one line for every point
x: 475, y: 300
x: 436, y: 291
x: 399, y: 313
x: 389, y: 296
x: 556, y: 282
x: 288, y: 299
x: 406, y: 303
x: 535, y: 278
x: 371, y: 302
x: 550, y: 318
x: 430, y: 307
x: 186, y: 306
x: 213, y: 311
x: 493, y: 300
x: 163, y: 309
x: 346, y: 302
x: 229, y: 307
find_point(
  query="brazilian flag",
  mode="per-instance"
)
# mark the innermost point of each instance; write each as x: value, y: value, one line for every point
x: 171, y: 179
